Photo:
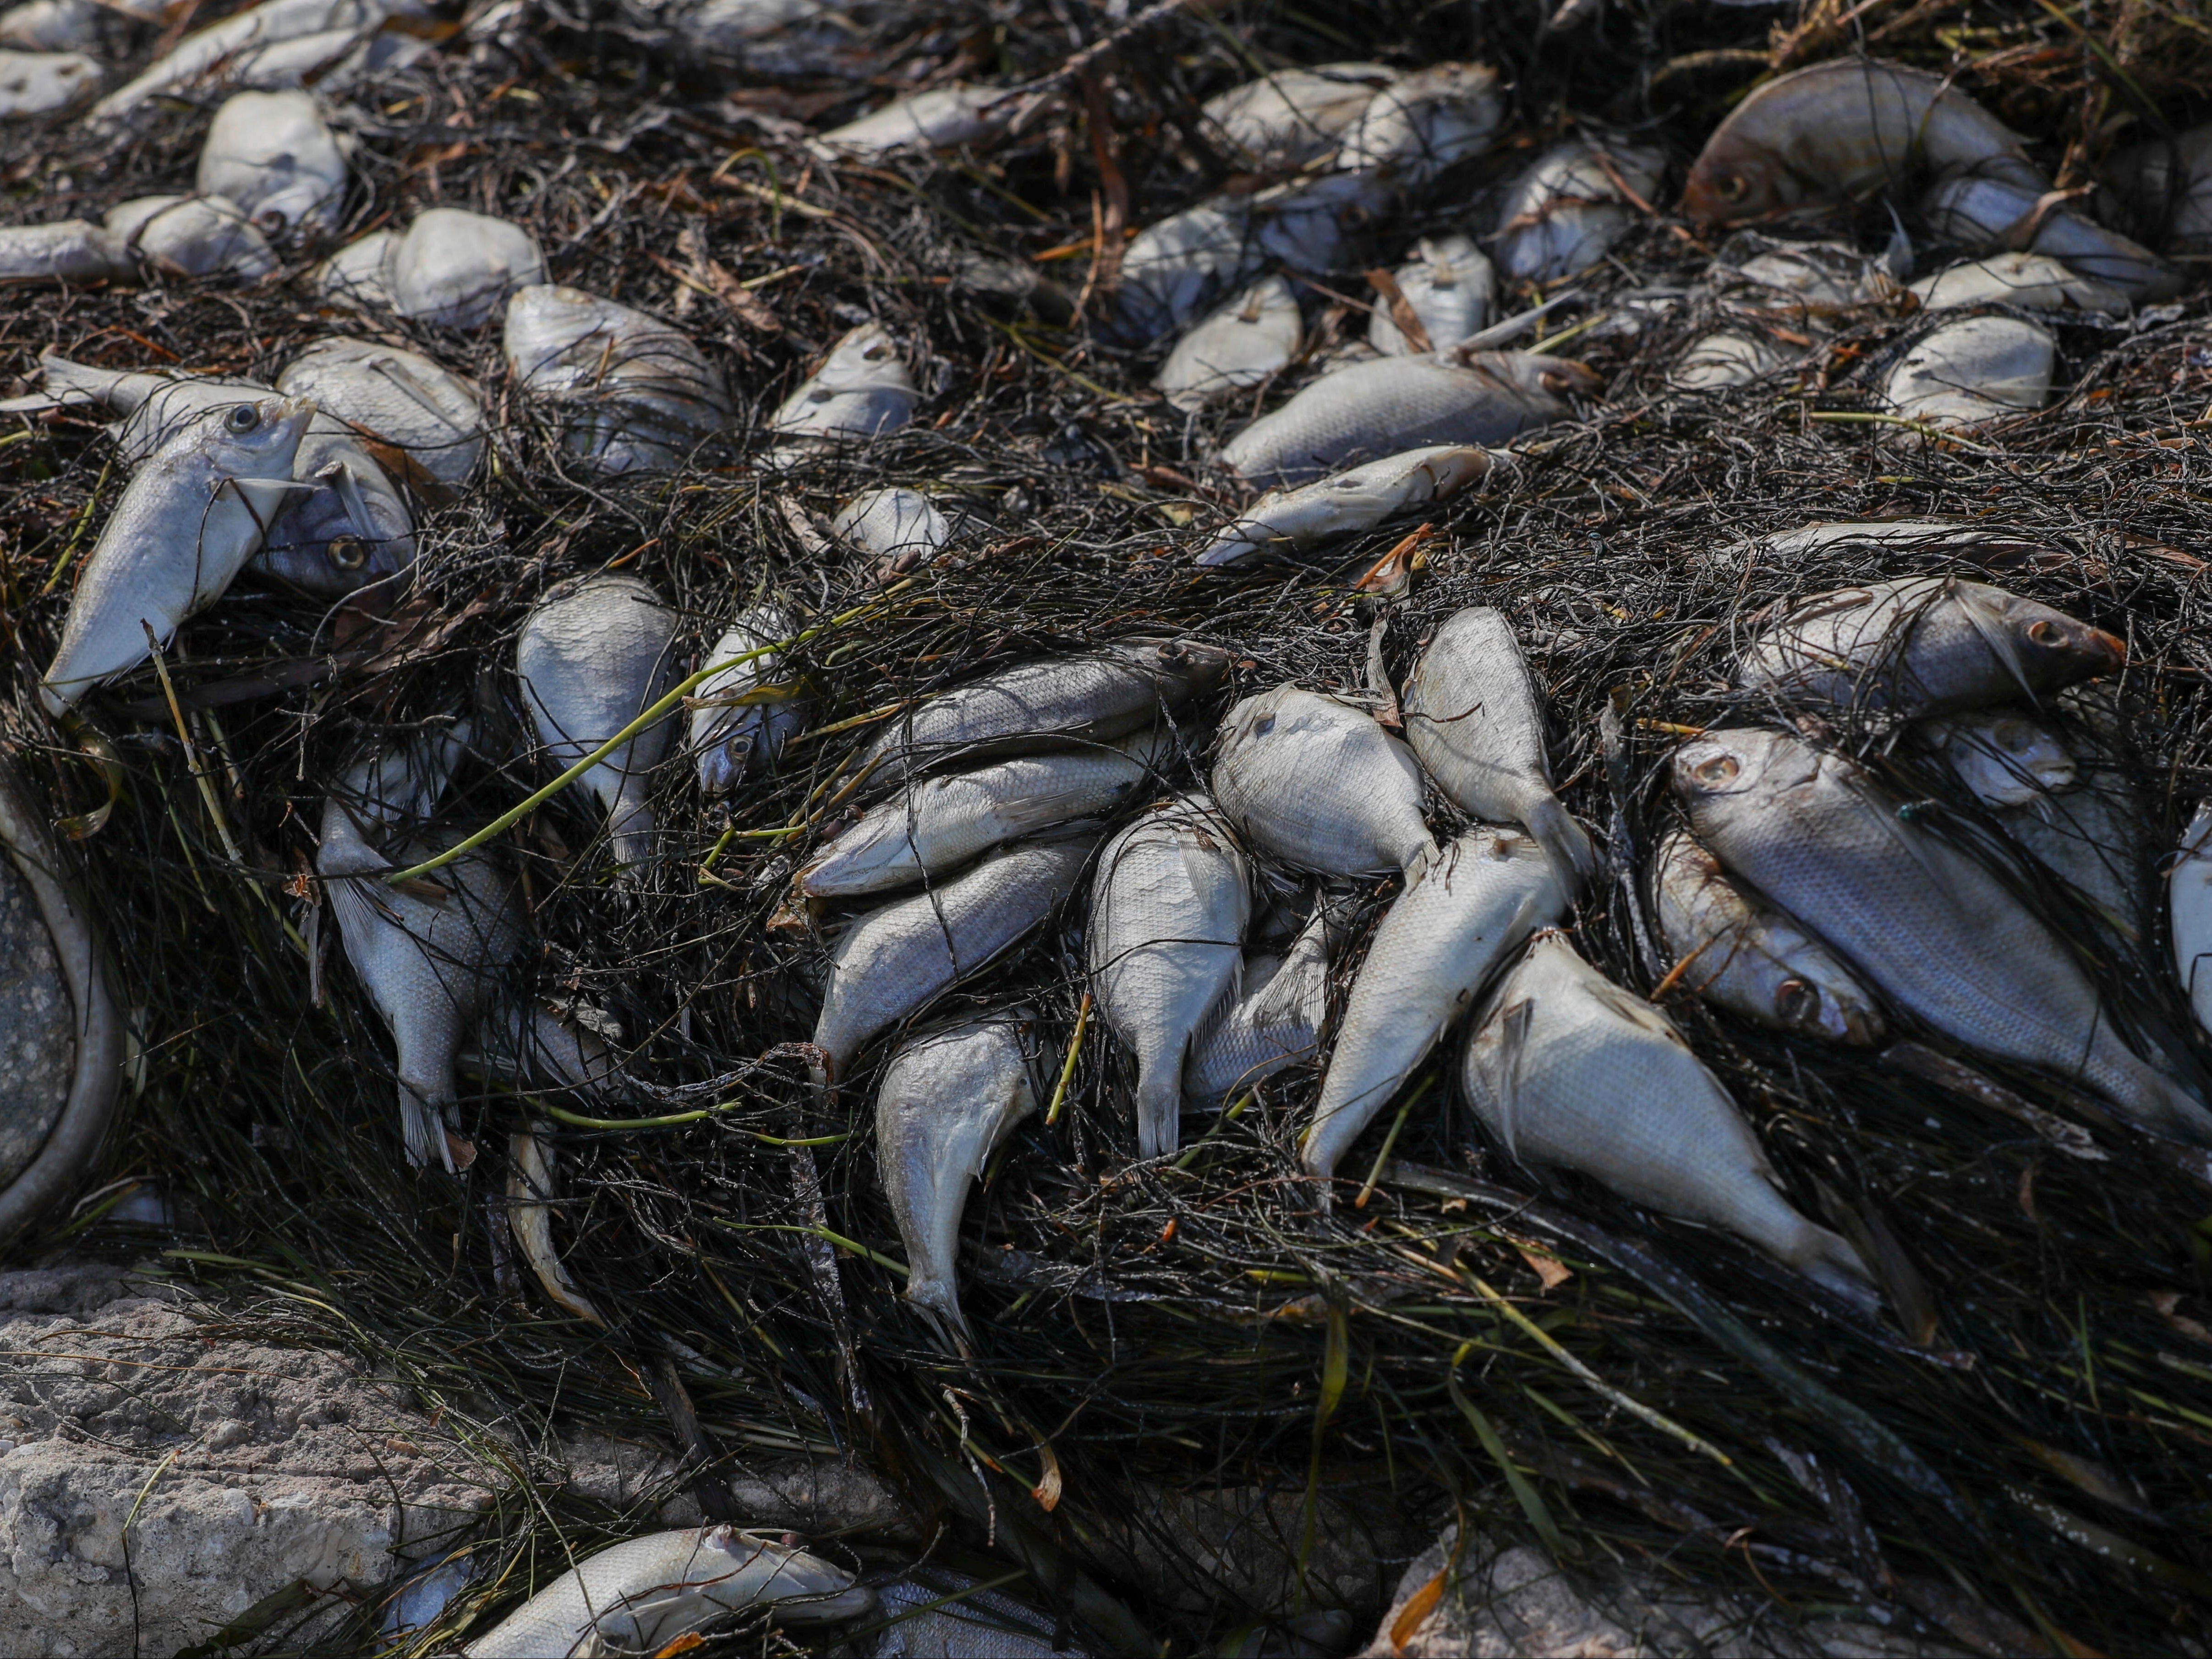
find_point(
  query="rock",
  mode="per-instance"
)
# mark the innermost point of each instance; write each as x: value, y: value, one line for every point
x: 813, y: 1496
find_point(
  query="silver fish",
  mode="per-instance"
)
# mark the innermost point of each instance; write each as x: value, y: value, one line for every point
x: 781, y: 39
x: 2033, y: 282
x: 1288, y: 117
x: 730, y: 740
x: 1972, y: 373
x: 1569, y: 1071
x: 2189, y: 906
x: 1726, y: 357
x: 1443, y: 939
x: 1992, y: 544
x: 2090, y: 836
x: 329, y: 60
x: 1169, y: 907
x: 45, y: 82
x: 1570, y: 207
x: 1172, y: 271
x: 1318, y: 784
x: 398, y: 398
x: 2005, y: 757
x: 529, y: 1042
x: 1938, y: 935
x: 937, y: 1614
x: 1395, y: 403
x: 2164, y: 188
x: 272, y: 153
x: 1740, y: 953
x: 1450, y: 286
x: 1346, y: 503
x: 1423, y: 123
x: 1246, y: 342
x: 227, y: 47
x: 56, y: 26
x: 457, y: 269
x: 862, y: 390
x: 1923, y: 644
x: 895, y: 526
x: 592, y: 657
x: 634, y: 394
x: 1271, y: 1016
x: 355, y: 277
x: 894, y: 962
x: 640, y: 1596
x: 530, y: 1195
x: 1983, y: 214
x: 948, y: 1098
x: 1476, y: 724
x: 940, y: 119
x: 1326, y: 223
x: 192, y: 236
x: 66, y: 251
x: 188, y: 520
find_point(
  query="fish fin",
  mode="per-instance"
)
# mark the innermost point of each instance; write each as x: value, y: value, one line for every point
x: 1418, y: 866
x: 1513, y: 1023
x: 1293, y: 991
x: 1829, y: 1260
x: 1986, y: 623
x: 1566, y: 840
x: 422, y: 1126
x: 265, y: 498
x: 1159, y: 1111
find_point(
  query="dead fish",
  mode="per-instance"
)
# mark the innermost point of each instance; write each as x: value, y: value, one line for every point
x: 1173, y: 271
x: 731, y: 740
x: 272, y: 153
x: 1740, y: 953
x: 1938, y: 935
x: 941, y: 118
x: 1347, y: 503
x: 44, y: 82
x: 1725, y: 358
x: 640, y: 1596
x: 1450, y: 286
x: 227, y: 48
x: 1322, y: 223
x: 2089, y: 835
x: 896, y: 527
x: 66, y: 251
x: 1317, y: 783
x: 1569, y: 1071
x: 2165, y: 188
x: 2033, y: 282
x: 634, y: 394
x: 57, y: 26
x: 1272, y: 1016
x: 530, y: 1193
x: 1476, y: 724
x: 934, y: 1614
x: 398, y: 398
x: 894, y: 962
x: 2189, y: 906
x: 192, y: 236
x: 1844, y: 129
x: 1984, y: 214
x: 1923, y: 644
x: 593, y: 656
x: 1288, y: 117
x: 779, y: 39
x: 1395, y: 403
x: 1244, y: 343
x: 1995, y: 545
x: 1442, y: 939
x: 530, y: 1043
x: 188, y: 520
x: 329, y: 60
x: 457, y: 269
x: 355, y: 277
x: 1423, y: 123
x: 1098, y: 695
x: 940, y: 824
x: 2005, y: 757
x: 948, y: 1099
x: 1815, y: 276
x: 1168, y: 906
x: 1574, y: 202
x: 428, y: 951
x: 861, y: 392
x: 1971, y: 373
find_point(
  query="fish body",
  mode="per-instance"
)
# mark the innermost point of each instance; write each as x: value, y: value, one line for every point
x: 1450, y: 287
x: 2164, y: 186
x: 730, y: 741
x: 781, y: 38
x: 272, y: 153
x: 2005, y: 757
x: 1572, y: 205
x: 592, y: 657
x: 2188, y: 906
x: 1347, y: 503
x: 65, y: 251
x: 861, y: 392
x: 635, y: 395
x: 55, y: 25
x: 895, y: 526
x: 1423, y: 123
x: 2090, y: 836
x: 1290, y: 116
x: 457, y: 269
x: 947, y: 1100
x: 1441, y: 941
x: 1476, y: 724
x: 1322, y: 223
x: 1319, y: 784
x: 1173, y: 270
x: 398, y: 398
x: 1969, y: 373
x: 1569, y: 1071
x: 526, y: 1042
x: 2033, y: 282
x: 1271, y: 1017
x: 355, y: 276
x: 192, y: 236
x: 939, y: 1614
x: 1938, y: 935
x: 1245, y: 342
x: 228, y: 49
x: 640, y: 1596
x: 45, y: 82
x: 940, y: 119
x: 1983, y: 214
x: 1726, y: 357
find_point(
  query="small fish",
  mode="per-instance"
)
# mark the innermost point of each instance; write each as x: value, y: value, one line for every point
x: 2164, y: 188
x: 1318, y: 784
x: 934, y: 1614
x: 1395, y: 403
x: 1326, y: 223
x: 1169, y: 907
x: 355, y: 277
x: 1569, y: 1071
x: 2006, y: 758
x: 778, y: 40
x: 894, y: 962
x: 2032, y: 282
x: 530, y: 1195
x: 226, y: 48
x: 1971, y: 373
x: 2090, y: 836
x: 188, y: 520
x: 861, y: 392
x: 457, y: 269
x: 58, y: 26
x: 1450, y: 286
x: 1726, y: 357
x: 1923, y: 644
x: 634, y: 394
x: 1288, y: 117
x: 1271, y: 1017
x: 1574, y: 202
x: 948, y: 1099
x: 730, y: 740
x: 1740, y: 953
x: 397, y: 398
x: 1347, y: 503
x: 1994, y: 545
x: 420, y: 1600
x: 1815, y: 276
x: 1983, y: 214
x: 1442, y: 939
x: 645, y: 1595
x: 1476, y: 724
x: 1939, y: 936
x: 1423, y: 123
x: 1173, y: 271
x: 2189, y: 905
x: 192, y: 236
x: 525, y: 1041
x: 1244, y: 343
x: 941, y: 118
x: 272, y: 153
x: 897, y: 527
x: 592, y: 657
x: 45, y: 82
x: 66, y: 251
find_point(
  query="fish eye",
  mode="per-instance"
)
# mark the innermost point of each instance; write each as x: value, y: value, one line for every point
x: 2045, y: 632
x: 1794, y: 1000
x: 1551, y: 380
x: 2015, y: 736
x: 349, y: 552
x: 242, y: 418
x: 1719, y: 770
x: 1264, y: 724
x: 1732, y: 186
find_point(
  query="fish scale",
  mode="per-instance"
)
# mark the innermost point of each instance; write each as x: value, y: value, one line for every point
x: 1319, y: 784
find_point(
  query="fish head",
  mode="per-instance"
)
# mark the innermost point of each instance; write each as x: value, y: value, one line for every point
x: 1834, y: 1011
x: 724, y: 761
x: 1192, y: 666
x: 258, y: 438
x: 336, y: 540
x: 1742, y: 761
x: 2008, y: 759
x: 1734, y: 180
x: 2044, y: 647
x: 1256, y: 717
x: 804, y: 1587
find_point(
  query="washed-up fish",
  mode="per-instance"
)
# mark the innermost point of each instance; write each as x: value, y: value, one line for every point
x: 1995, y: 545
x: 893, y: 962
x: 354, y: 277
x: 1346, y: 503
x: 397, y: 398
x: 635, y: 395
x: 1984, y: 213
x: 2033, y: 281
x: 1168, y: 905
x: 593, y: 656
x: 329, y: 60
x: 896, y: 527
x: 1320, y: 785
x: 1394, y: 404
x: 1419, y: 125
x: 1846, y: 128
x: 1939, y: 936
x: 188, y: 520
x: 641, y: 1596
x: 41, y: 83
x: 861, y: 392
x: 1095, y: 696
x: 226, y: 50
x: 1809, y: 277
x: 1443, y: 939
x: 272, y: 154
x: 2188, y: 902
x: 1726, y: 357
x: 1476, y: 724
x: 1569, y: 1071
x: 934, y: 1614
x: 783, y: 40
x: 730, y: 740
x: 1272, y: 1015
x: 1326, y: 222
x: 1740, y: 953
x: 1290, y: 116
x: 57, y: 26
x: 1172, y: 271
x: 948, y: 1098
x: 428, y: 951
x: 66, y: 251
x: 2090, y: 836
x: 940, y: 119
x: 530, y: 1195
x: 192, y: 236
x: 457, y: 269
x: 1450, y: 286
x: 2164, y: 187
x: 1573, y: 204
x: 1923, y: 644
x: 2005, y: 757
x: 420, y: 1599
x: 528, y: 1042
x: 1244, y: 343
x: 940, y: 824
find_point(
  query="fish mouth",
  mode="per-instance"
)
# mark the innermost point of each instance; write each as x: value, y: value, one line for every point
x: 2114, y: 648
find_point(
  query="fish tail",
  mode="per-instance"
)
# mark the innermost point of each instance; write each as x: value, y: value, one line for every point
x: 1424, y: 859
x: 1566, y: 840
x: 1159, y: 1108
x: 1828, y: 1260
x: 629, y: 831
x: 422, y: 1126
x: 938, y: 1300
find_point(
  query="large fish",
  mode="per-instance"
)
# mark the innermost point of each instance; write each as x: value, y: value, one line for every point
x: 731, y: 740
x: 861, y: 392
x: 1271, y: 1018
x: 1245, y: 342
x: 1569, y: 1071
x: 1941, y: 938
x: 634, y: 394
x: 1442, y: 939
x: 1166, y: 936
x: 1290, y: 116
x: 2032, y: 282
x: 273, y: 154
x: 1476, y: 724
x: 397, y: 398
x: 457, y: 269
x: 192, y: 236
x: 592, y: 657
x: 1345, y: 503
x: 1978, y: 371
x: 2188, y: 902
x: 1984, y: 213
x: 1319, y: 784
x: 1450, y: 288
x: 1423, y: 123
x: 947, y: 1099
x: 1574, y: 202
